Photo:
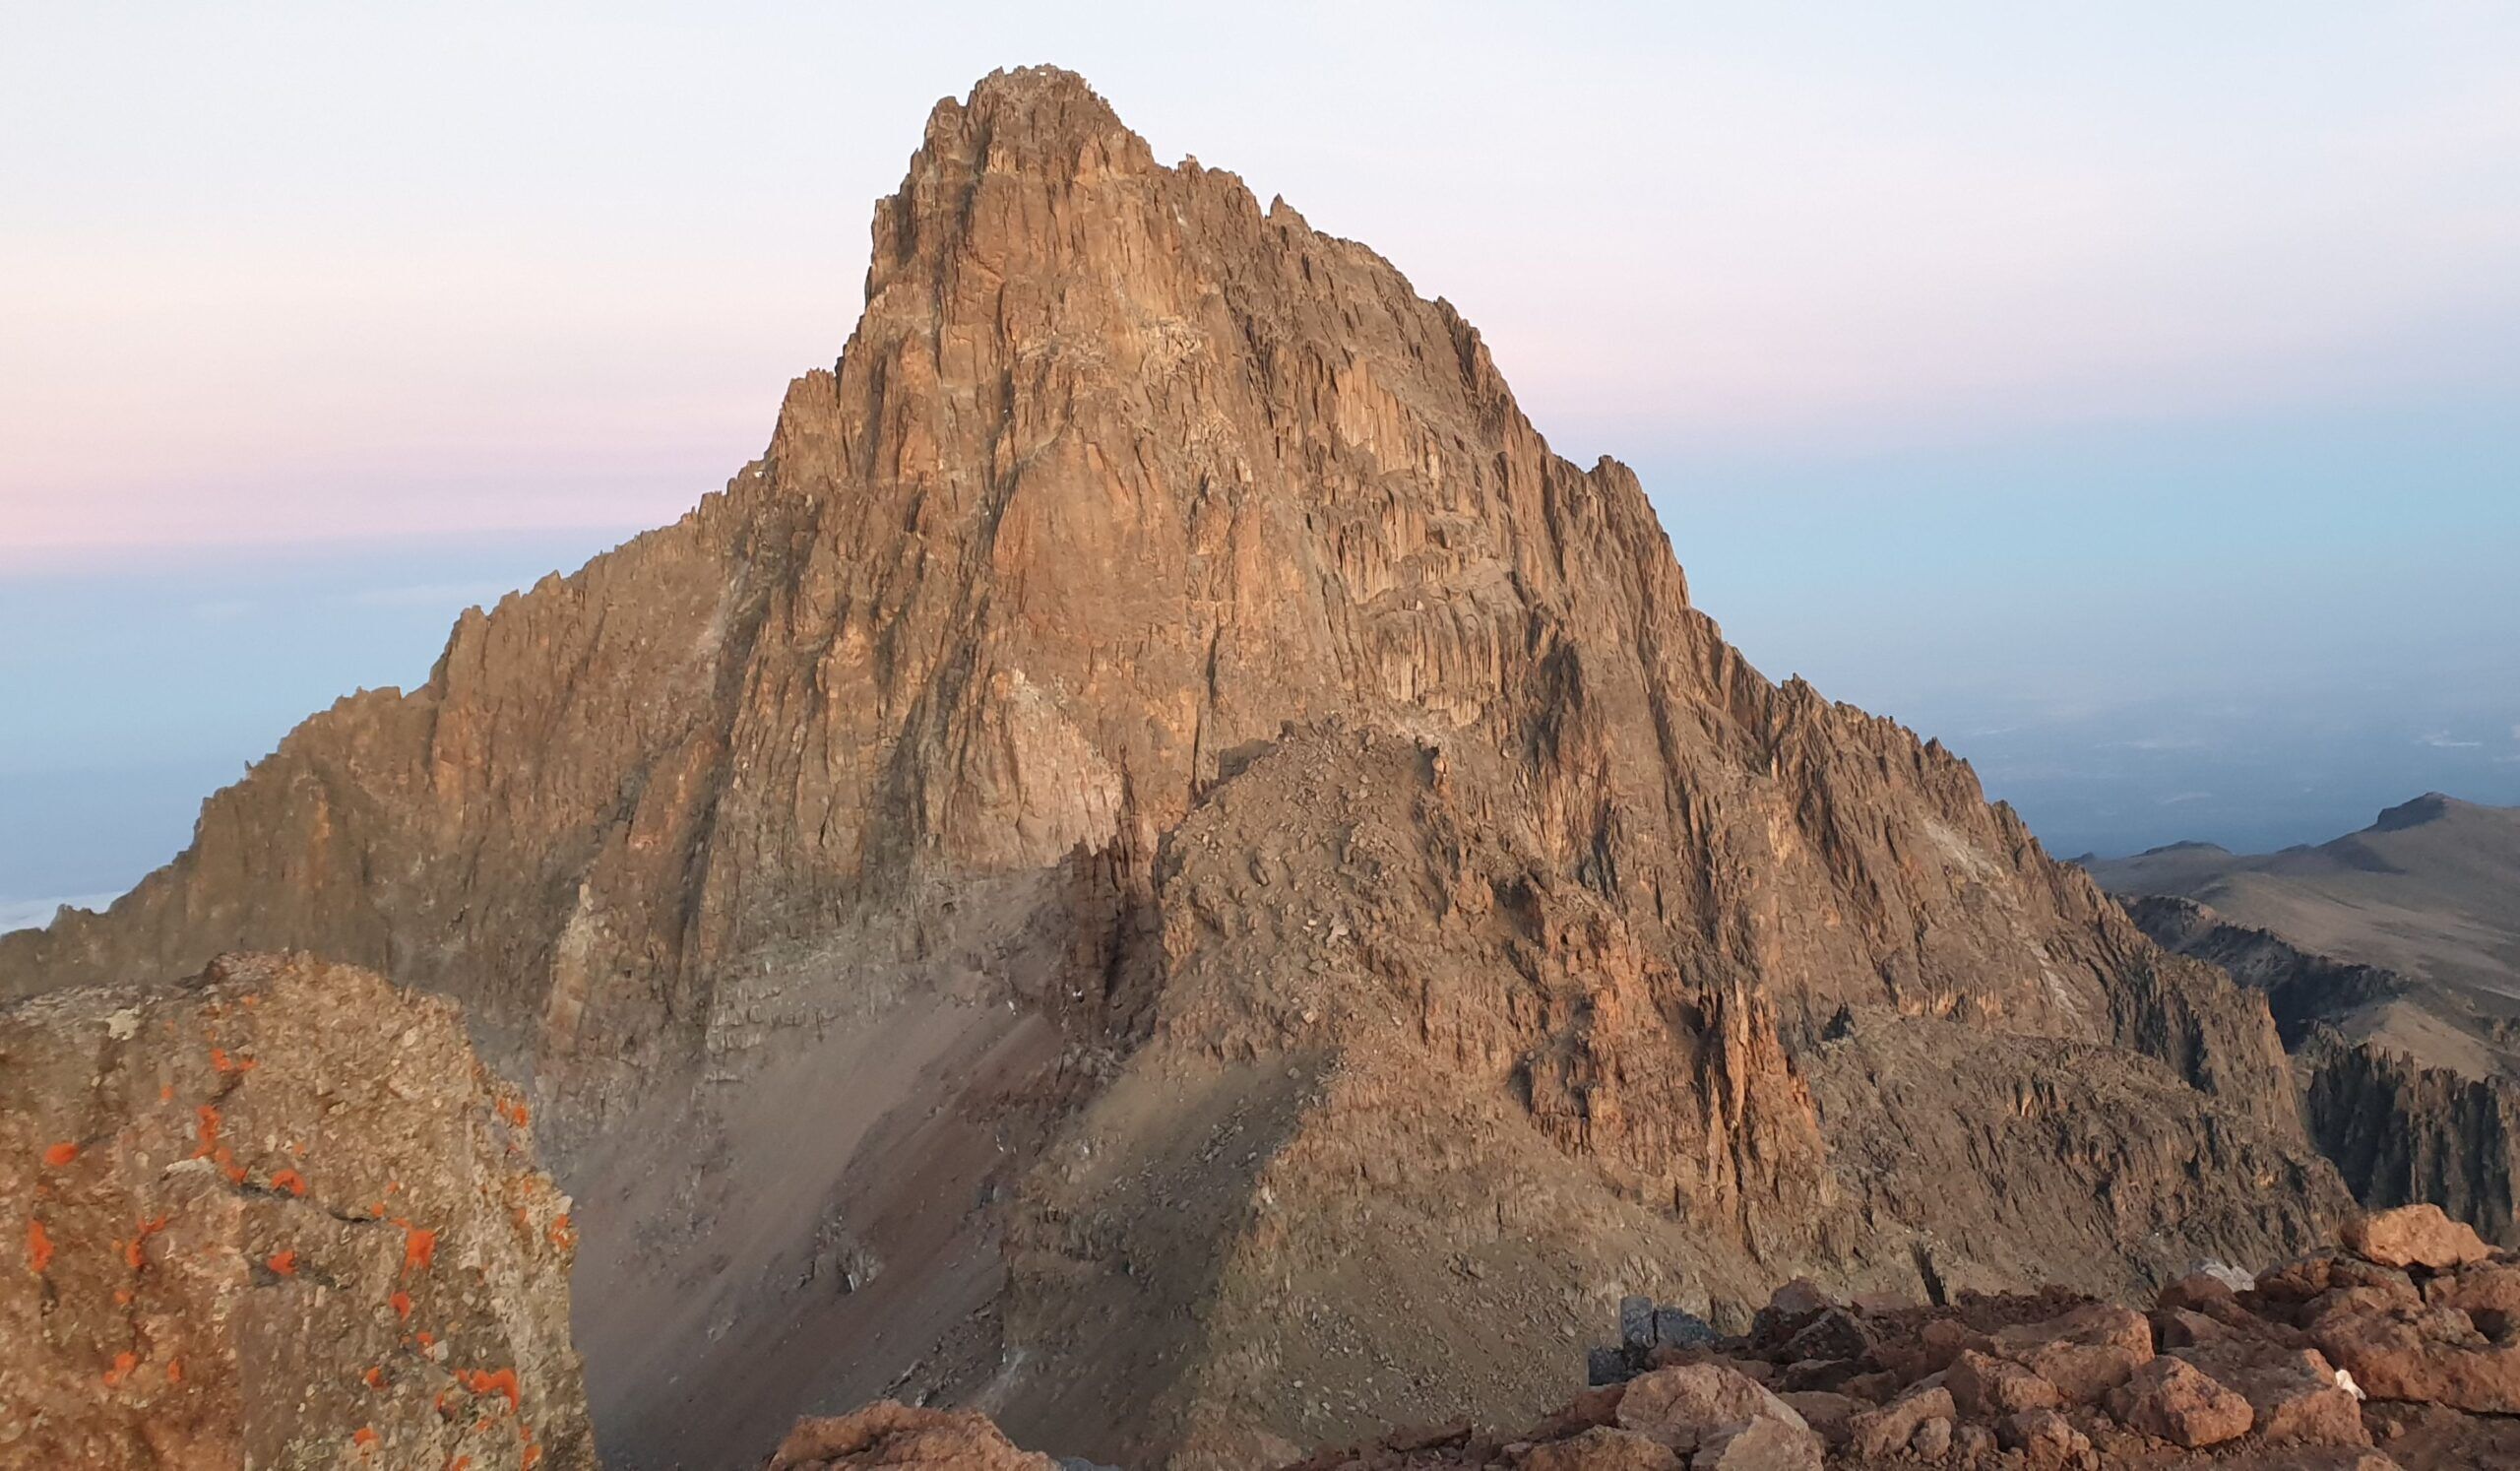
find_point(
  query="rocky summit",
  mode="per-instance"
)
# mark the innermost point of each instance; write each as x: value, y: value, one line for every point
x: 1159, y: 868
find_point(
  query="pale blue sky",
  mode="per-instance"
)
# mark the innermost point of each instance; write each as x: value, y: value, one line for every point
x: 2124, y: 393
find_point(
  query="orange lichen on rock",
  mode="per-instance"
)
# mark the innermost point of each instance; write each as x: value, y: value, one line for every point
x: 563, y: 1234
x: 207, y: 1115
x: 289, y: 1180
x: 514, y: 1111
x: 124, y: 1363
x: 222, y: 1061
x: 364, y: 1437
x: 174, y: 1371
x: 61, y: 1154
x: 135, y: 1253
x: 38, y: 1247
x: 400, y: 1302
x: 374, y: 1378
x: 491, y: 1382
x: 419, y: 1244
x: 283, y: 1263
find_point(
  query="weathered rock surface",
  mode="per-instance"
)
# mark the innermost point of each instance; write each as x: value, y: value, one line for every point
x: 2414, y: 1236
x: 2387, y: 959
x: 1928, y: 1392
x: 274, y: 1216
x: 887, y: 1435
x: 1158, y: 849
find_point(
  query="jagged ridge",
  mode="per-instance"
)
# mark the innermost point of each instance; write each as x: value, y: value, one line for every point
x: 1128, y: 505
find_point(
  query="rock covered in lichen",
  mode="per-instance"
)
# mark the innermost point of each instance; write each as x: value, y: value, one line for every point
x: 277, y: 1215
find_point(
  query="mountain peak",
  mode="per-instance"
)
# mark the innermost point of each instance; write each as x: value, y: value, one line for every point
x: 2431, y: 806
x: 1160, y: 715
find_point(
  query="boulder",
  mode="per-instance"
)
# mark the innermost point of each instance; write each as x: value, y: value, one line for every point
x: 2293, y: 1394
x: 1604, y: 1449
x: 278, y: 1215
x: 2044, y: 1438
x: 2487, y: 1292
x: 2416, y: 1236
x: 2084, y: 1353
x: 886, y: 1435
x: 1761, y: 1445
x: 2175, y: 1400
x: 1825, y: 1412
x: 1636, y: 1322
x: 1887, y: 1431
x: 1677, y: 1327
x: 1986, y: 1387
x: 1933, y: 1440
x: 1833, y: 1333
x: 2196, y: 1292
x: 2426, y: 1353
x: 1682, y: 1405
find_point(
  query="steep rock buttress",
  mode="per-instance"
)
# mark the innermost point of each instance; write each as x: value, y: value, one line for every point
x: 1010, y: 674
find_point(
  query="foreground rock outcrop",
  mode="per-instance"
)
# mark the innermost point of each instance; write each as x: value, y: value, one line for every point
x: 274, y: 1216
x: 1160, y: 852
x: 2332, y: 1359
x: 2399, y: 1351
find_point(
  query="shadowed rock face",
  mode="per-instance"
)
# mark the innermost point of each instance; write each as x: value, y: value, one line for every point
x: 274, y: 1216
x: 2407, y: 1085
x: 1299, y: 866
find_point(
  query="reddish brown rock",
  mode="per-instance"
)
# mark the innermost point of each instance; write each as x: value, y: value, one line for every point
x: 1604, y: 1449
x: 1888, y: 1430
x: 2414, y: 1236
x: 1680, y: 1406
x: 2293, y: 1394
x: 2172, y: 1399
x: 2434, y: 1354
x: 1761, y: 1445
x: 277, y: 1215
x: 2086, y: 1352
x: 2197, y: 1292
x: 1986, y: 1387
x: 1828, y: 1414
x: 887, y: 1435
x: 2044, y: 1439
x: 2487, y: 1292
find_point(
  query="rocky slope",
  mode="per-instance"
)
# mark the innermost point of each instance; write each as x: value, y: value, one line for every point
x: 2425, y: 891
x: 2389, y: 958
x: 274, y: 1216
x: 1159, y: 861
x: 2401, y: 1350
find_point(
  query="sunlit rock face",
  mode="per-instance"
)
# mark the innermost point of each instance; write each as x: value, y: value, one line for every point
x: 1159, y: 833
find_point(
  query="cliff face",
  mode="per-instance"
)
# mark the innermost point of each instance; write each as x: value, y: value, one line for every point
x: 1161, y: 719
x: 2407, y: 1086
x: 276, y: 1216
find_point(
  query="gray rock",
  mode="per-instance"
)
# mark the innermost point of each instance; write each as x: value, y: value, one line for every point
x: 1678, y: 1327
x: 1636, y: 1321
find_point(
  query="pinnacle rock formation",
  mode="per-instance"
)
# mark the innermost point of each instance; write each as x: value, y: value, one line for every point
x: 1161, y: 867
x: 275, y: 1215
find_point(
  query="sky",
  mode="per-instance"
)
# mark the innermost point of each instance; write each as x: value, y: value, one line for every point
x: 2125, y: 394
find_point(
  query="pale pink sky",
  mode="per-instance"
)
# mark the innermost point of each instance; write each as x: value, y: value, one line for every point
x: 279, y: 273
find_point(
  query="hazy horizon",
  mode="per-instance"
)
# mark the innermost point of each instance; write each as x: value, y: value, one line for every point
x: 2136, y: 419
